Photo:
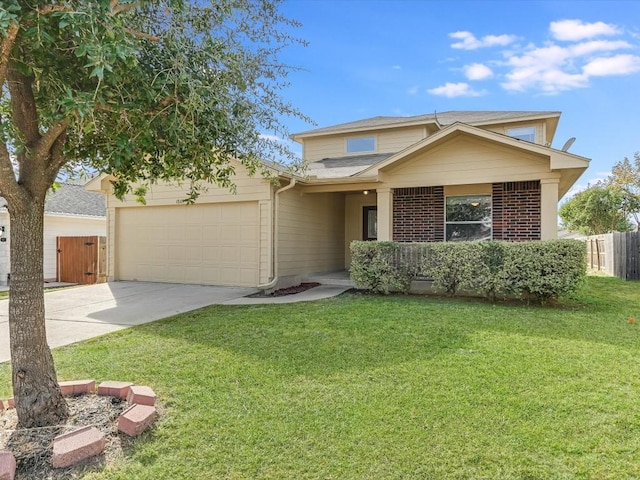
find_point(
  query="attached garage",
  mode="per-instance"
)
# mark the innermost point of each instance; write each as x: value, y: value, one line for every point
x: 209, y: 243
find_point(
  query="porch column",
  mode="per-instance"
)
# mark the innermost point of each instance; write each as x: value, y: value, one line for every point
x: 385, y: 214
x: 549, y: 208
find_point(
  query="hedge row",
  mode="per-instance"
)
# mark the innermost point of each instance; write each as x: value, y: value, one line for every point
x: 542, y: 269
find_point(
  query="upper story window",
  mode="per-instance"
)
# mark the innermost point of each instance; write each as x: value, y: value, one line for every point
x: 524, y: 133
x: 361, y: 144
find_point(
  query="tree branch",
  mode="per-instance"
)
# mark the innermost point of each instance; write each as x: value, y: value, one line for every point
x: 23, y: 106
x: 44, y: 146
x: 47, y: 9
x: 5, y: 51
x: 57, y: 159
x: 146, y: 36
x: 116, y: 8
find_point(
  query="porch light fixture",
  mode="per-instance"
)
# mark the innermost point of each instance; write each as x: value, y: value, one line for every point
x: 366, y: 192
x: 475, y: 204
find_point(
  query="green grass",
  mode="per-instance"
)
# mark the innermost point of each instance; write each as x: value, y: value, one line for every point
x: 365, y: 387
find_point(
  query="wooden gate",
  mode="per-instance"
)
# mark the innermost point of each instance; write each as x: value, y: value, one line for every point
x: 82, y: 259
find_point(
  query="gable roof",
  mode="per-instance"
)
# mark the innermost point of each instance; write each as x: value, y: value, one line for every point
x: 571, y: 166
x: 71, y: 198
x: 437, y: 119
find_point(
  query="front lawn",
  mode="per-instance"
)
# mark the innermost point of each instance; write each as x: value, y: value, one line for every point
x: 364, y: 387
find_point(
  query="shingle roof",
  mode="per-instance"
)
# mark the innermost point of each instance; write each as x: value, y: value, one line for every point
x: 343, y: 166
x: 72, y: 199
x: 443, y: 118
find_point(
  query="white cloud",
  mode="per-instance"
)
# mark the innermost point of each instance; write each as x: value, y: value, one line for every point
x: 575, y: 30
x: 616, y: 65
x: 587, y: 48
x: 396, y: 67
x: 468, y: 40
x: 413, y: 90
x: 477, y: 71
x: 551, y: 67
x: 452, y: 90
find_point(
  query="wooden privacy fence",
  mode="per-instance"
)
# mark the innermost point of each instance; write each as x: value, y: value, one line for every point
x: 617, y: 254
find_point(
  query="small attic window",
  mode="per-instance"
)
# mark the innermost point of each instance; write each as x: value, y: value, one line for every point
x: 361, y: 144
x: 524, y: 133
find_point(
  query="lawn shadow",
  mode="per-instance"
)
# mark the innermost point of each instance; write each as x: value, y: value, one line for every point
x: 363, y: 332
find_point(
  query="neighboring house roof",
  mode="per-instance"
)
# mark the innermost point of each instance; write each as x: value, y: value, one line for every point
x: 72, y: 199
x: 439, y: 119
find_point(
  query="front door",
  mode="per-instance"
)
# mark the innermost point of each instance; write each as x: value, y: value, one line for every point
x: 369, y: 223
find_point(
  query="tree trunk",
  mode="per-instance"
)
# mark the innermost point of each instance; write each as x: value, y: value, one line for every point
x: 38, y: 399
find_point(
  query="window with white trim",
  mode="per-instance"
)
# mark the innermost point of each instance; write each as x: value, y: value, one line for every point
x: 361, y: 144
x: 468, y: 218
x: 523, y: 133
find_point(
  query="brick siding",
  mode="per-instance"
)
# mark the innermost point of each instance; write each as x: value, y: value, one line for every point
x: 418, y: 214
x: 516, y: 211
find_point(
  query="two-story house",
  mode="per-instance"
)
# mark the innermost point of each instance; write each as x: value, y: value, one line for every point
x: 439, y: 177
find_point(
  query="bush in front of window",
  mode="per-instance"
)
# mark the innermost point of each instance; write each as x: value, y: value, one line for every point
x: 379, y: 267
x: 453, y: 266
x: 539, y: 269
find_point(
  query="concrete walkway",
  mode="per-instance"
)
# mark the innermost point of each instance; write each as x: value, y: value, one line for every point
x: 78, y: 313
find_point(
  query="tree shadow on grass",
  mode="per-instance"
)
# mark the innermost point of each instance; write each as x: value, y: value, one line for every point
x: 355, y: 332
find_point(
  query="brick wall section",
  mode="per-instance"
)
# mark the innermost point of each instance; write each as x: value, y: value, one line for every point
x: 418, y: 214
x: 516, y: 211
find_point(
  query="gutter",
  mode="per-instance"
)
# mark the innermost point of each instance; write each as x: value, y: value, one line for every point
x: 274, y: 236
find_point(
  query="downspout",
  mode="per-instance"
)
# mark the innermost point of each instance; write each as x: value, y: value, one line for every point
x: 274, y: 237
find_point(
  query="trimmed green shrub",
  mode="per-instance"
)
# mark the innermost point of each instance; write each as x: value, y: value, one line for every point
x: 453, y: 266
x: 544, y: 270
x: 538, y: 269
x: 378, y: 266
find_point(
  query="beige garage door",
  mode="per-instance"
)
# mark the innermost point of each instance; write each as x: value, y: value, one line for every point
x: 211, y: 244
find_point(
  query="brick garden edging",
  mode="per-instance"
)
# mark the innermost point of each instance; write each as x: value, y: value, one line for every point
x: 73, y: 447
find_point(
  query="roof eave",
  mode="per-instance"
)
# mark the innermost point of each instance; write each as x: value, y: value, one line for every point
x: 339, y: 131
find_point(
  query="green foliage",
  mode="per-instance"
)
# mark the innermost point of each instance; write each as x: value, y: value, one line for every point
x: 625, y: 180
x: 540, y: 270
x: 377, y: 266
x: 154, y: 90
x: 598, y: 209
x: 452, y: 266
x: 544, y: 270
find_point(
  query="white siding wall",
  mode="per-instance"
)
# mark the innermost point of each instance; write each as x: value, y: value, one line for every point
x: 5, y: 263
x: 54, y: 226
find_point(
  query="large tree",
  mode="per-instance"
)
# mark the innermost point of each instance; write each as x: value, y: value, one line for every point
x: 625, y: 179
x: 142, y: 90
x: 598, y: 209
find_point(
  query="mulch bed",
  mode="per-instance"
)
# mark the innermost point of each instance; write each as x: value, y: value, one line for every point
x: 303, y: 287
x: 33, y: 447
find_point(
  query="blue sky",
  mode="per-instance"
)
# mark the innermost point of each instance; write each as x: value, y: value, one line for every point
x: 410, y: 57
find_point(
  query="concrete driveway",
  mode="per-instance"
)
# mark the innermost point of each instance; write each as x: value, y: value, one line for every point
x: 77, y: 313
